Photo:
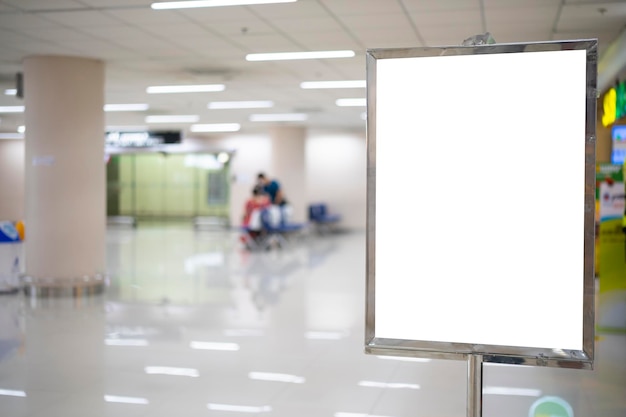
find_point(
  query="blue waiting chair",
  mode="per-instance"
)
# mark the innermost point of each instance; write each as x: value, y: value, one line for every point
x: 321, y: 218
x: 275, y: 228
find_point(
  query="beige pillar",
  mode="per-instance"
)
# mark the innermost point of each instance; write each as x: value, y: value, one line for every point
x: 289, y: 167
x: 65, y: 173
x: 12, y: 180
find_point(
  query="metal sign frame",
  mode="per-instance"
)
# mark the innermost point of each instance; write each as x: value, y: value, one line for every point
x: 556, y: 356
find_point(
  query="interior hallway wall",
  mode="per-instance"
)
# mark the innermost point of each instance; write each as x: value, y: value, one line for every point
x: 12, y: 180
x: 336, y: 174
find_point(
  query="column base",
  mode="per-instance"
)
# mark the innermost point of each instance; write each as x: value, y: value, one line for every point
x: 64, y: 287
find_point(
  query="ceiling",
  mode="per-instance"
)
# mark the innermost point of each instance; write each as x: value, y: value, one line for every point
x: 143, y: 47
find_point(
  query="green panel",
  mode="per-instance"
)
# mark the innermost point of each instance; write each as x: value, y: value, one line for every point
x: 149, y: 177
x: 179, y: 187
x: 179, y: 201
x: 174, y: 185
x: 126, y: 197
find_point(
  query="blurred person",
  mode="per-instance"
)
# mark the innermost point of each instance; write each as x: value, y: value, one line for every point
x: 273, y: 189
x: 252, y: 214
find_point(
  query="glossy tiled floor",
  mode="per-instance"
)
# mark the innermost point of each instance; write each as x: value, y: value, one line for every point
x: 192, y: 325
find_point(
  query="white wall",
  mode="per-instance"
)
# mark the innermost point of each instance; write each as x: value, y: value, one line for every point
x: 12, y: 180
x: 336, y: 173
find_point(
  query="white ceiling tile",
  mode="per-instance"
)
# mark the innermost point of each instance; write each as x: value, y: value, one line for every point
x: 446, y: 19
x: 356, y: 7
x: 43, y: 5
x: 315, y: 24
x: 299, y: 9
x: 81, y: 18
x: 267, y: 43
x: 117, y: 3
x: 439, y: 5
x: 517, y: 4
x: 326, y: 40
x: 449, y: 35
x: 537, y: 14
x: 376, y: 21
x: 24, y: 22
x: 141, y: 17
x: 586, y: 17
x: 213, y: 14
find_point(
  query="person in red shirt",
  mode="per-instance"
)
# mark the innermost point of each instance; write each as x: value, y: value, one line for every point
x: 251, y: 216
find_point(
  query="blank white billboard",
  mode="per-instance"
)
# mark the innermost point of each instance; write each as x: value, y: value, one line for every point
x: 476, y: 199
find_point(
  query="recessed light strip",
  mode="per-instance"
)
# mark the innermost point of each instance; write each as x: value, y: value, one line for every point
x: 125, y: 400
x: 351, y: 102
x: 215, y: 127
x: 280, y: 56
x: 11, y: 136
x: 333, y: 84
x: 11, y: 109
x: 126, y: 107
x: 228, y: 105
x: 199, y: 88
x: 239, y: 408
x: 173, y: 119
x: 12, y: 393
x: 169, y: 5
x: 276, y: 377
x: 284, y: 117
x: 166, y: 370
x: 10, y: 92
x: 233, y: 347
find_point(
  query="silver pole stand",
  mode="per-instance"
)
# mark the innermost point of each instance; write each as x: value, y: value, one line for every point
x: 474, y: 385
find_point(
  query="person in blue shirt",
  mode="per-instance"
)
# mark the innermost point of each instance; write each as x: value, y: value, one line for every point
x: 273, y: 189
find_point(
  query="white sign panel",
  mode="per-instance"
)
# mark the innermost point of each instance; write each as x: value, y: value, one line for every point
x: 479, y: 162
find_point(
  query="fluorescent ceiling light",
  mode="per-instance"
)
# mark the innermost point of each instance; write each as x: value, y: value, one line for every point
x: 239, y: 408
x: 284, y: 117
x: 112, y: 128
x: 173, y: 119
x: 396, y: 385
x: 126, y: 107
x: 11, y: 109
x: 12, y: 393
x: 21, y: 129
x: 343, y: 414
x: 11, y: 136
x: 333, y: 84
x: 274, y: 377
x: 126, y: 342
x: 216, y: 127
x: 351, y: 102
x: 280, y: 56
x: 201, y: 88
x: 524, y: 392
x: 125, y: 400
x: 260, y: 104
x: 166, y: 370
x: 168, y: 5
x: 404, y: 359
x: 10, y: 92
x: 214, y: 346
